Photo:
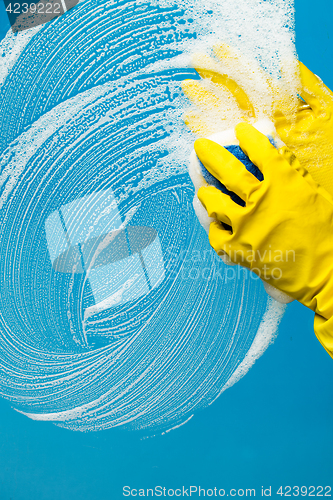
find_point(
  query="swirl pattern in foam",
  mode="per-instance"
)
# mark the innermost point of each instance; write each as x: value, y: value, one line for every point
x: 114, y: 310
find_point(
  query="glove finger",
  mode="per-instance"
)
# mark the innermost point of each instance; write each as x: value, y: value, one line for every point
x: 250, y: 76
x: 219, y: 205
x: 234, y: 61
x: 256, y: 146
x: 200, y: 96
x: 224, y: 82
x: 315, y: 92
x: 225, y: 167
x: 205, y: 125
x: 285, y: 122
x: 209, y: 69
x: 219, y: 238
x: 199, y: 125
x: 215, y: 101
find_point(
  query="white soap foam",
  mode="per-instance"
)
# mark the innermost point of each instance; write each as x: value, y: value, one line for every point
x: 263, y: 33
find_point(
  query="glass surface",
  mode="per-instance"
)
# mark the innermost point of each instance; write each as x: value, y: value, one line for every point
x: 273, y: 427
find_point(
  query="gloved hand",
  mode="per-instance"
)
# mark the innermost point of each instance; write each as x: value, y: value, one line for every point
x: 231, y: 85
x: 284, y: 233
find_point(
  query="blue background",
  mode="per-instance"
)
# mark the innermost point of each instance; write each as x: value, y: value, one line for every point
x: 273, y: 428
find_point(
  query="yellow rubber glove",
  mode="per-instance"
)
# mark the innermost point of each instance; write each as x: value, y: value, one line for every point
x: 284, y: 233
x: 231, y: 85
x: 310, y: 133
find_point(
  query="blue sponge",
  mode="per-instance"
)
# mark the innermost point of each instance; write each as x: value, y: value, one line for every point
x: 212, y: 181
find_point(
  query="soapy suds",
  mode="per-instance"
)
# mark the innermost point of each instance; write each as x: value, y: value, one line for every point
x: 147, y: 332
